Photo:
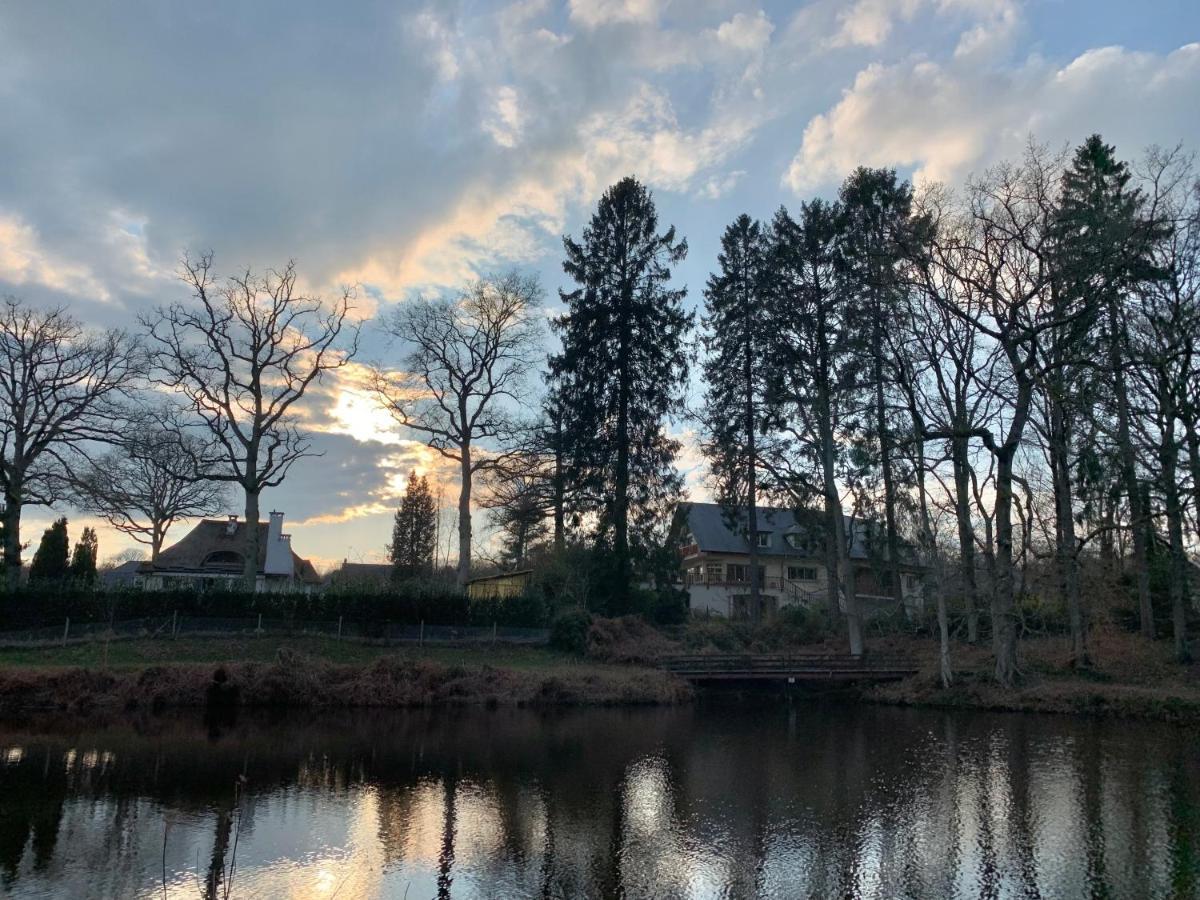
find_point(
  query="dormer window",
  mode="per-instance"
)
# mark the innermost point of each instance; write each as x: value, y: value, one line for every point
x: 763, y: 539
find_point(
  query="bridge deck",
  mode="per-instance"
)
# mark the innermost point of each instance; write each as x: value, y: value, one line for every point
x: 797, y: 667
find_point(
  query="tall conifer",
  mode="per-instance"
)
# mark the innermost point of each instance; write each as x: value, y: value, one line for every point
x: 624, y: 365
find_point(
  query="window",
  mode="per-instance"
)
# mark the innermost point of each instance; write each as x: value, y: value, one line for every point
x: 222, y: 559
x: 911, y: 582
x: 763, y: 538
x: 802, y: 573
x: 740, y: 574
x: 713, y: 571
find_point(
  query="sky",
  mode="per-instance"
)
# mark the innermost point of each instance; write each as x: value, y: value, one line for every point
x: 405, y: 148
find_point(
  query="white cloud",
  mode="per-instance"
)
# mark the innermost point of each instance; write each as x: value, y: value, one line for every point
x: 945, y: 120
x: 505, y: 120
x: 595, y: 13
x: 24, y: 261
x: 868, y: 23
x: 746, y: 33
x: 720, y: 184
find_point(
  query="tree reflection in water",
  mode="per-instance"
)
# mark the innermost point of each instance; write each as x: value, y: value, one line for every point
x: 774, y: 801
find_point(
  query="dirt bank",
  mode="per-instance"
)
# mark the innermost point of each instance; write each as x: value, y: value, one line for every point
x: 1128, y: 676
x: 295, y: 681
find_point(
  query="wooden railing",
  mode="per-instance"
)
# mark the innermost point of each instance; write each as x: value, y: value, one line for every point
x: 794, y: 667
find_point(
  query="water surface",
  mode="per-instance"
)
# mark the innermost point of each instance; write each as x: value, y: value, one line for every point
x: 721, y: 801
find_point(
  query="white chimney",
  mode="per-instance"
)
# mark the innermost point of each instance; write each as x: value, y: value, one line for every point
x: 279, y: 548
x: 231, y: 525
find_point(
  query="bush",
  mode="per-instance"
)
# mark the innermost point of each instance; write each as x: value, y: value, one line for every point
x: 407, y: 604
x: 569, y: 630
x: 802, y: 624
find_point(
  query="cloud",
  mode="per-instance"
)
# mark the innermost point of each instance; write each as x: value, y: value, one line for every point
x: 506, y: 118
x: 596, y: 13
x: 870, y: 23
x: 24, y: 260
x: 945, y: 120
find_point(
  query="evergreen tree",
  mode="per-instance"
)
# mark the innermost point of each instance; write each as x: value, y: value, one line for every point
x: 414, y: 532
x: 812, y: 378
x: 735, y: 412
x: 83, y: 560
x: 1103, y: 242
x: 878, y: 235
x: 622, y: 368
x: 50, y: 562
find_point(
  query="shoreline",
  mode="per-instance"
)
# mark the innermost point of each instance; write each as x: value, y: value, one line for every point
x: 305, y: 683
x: 310, y: 673
x: 1075, y: 697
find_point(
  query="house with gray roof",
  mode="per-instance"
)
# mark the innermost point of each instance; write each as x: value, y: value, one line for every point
x: 211, y: 555
x: 715, y: 558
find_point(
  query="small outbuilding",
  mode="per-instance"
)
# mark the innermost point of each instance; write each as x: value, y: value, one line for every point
x: 499, y: 587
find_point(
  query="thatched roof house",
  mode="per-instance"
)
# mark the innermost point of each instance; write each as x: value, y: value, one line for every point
x: 212, y: 555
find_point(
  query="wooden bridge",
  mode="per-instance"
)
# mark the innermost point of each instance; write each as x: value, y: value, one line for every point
x: 789, y: 669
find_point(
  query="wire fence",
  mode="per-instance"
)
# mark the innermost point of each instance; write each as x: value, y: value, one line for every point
x: 174, y: 626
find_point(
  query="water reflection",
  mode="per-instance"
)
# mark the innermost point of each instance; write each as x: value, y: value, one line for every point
x: 776, y: 801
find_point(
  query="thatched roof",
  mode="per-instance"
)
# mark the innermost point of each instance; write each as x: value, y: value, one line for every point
x: 213, y: 546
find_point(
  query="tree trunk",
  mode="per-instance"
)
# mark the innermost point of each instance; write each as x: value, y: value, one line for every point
x: 1141, y: 569
x: 960, y: 453
x: 157, y: 536
x: 12, y: 536
x: 885, y: 461
x: 1178, y: 579
x: 751, y: 488
x: 853, y: 617
x: 1004, y: 624
x: 836, y: 570
x: 1192, y: 430
x: 560, y: 523
x: 932, y: 583
x: 250, y: 543
x: 464, y: 516
x: 835, y: 535
x: 621, y: 485
x: 1065, y: 545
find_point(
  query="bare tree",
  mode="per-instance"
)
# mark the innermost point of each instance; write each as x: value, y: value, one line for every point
x: 467, y: 365
x: 144, y: 486
x: 241, y: 356
x: 1000, y: 255
x: 60, y: 389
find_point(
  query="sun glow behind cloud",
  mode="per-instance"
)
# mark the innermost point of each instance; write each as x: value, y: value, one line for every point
x: 448, y: 142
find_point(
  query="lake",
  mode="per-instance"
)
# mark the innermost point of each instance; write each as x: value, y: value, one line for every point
x: 714, y: 801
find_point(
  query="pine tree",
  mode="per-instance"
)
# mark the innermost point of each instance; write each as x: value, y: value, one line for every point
x: 83, y: 560
x: 878, y: 234
x: 623, y: 366
x: 813, y: 379
x: 1103, y: 244
x: 735, y: 412
x: 50, y: 562
x: 414, y: 532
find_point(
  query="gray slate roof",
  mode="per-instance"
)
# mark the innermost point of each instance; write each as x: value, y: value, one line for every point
x: 708, y: 525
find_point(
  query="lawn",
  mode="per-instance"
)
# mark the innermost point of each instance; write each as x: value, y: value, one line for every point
x: 141, y: 652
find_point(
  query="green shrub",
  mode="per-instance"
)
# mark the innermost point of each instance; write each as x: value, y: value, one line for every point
x: 569, y: 630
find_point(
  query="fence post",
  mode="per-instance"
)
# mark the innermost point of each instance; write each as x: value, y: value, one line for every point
x: 174, y: 623
x: 493, y: 632
x: 66, y: 630
x: 421, y: 636
x: 258, y: 630
x: 339, y: 628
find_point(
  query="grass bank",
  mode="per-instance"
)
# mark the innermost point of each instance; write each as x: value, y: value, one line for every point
x: 314, y: 672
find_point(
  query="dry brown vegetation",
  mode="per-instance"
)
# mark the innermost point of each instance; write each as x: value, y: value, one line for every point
x: 298, y: 681
x: 1129, y: 676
